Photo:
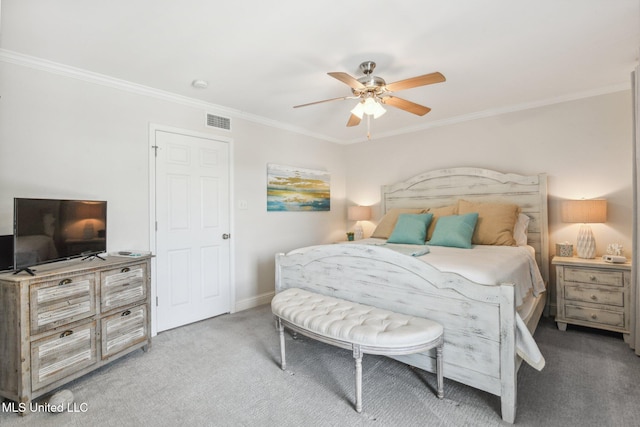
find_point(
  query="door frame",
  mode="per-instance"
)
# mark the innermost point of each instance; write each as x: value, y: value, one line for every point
x: 153, y: 128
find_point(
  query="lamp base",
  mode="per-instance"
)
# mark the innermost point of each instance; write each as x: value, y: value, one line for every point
x: 358, y: 233
x: 586, y: 247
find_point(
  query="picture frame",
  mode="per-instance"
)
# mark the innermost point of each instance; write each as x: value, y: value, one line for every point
x: 294, y: 189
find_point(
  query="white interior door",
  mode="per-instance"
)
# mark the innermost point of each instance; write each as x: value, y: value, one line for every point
x: 192, y: 229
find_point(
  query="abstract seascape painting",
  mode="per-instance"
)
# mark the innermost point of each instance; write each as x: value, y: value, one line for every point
x: 293, y: 189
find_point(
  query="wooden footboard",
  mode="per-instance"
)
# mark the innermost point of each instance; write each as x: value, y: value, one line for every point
x: 479, y: 320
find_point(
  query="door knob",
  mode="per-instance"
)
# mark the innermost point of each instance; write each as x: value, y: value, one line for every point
x: 226, y: 236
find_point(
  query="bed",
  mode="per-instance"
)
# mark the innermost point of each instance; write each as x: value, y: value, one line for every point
x: 488, y: 325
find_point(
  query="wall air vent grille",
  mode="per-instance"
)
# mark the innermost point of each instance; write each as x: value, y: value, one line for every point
x: 218, y: 122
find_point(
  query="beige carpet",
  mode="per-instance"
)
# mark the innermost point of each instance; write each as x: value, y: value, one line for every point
x: 225, y: 372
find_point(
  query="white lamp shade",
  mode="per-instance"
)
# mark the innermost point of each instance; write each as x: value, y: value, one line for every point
x: 584, y: 211
x: 370, y: 107
x: 358, y: 110
x: 373, y: 108
x: 359, y: 213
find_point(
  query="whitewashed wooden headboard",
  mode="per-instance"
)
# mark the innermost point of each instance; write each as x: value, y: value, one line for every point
x: 445, y: 186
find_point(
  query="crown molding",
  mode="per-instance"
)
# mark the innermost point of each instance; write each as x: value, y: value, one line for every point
x: 504, y: 110
x: 40, y: 64
x: 104, y: 80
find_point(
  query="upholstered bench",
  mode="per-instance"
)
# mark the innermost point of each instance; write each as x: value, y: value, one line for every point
x: 357, y: 327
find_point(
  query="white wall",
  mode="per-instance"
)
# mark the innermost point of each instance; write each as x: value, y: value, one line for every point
x: 62, y: 137
x: 584, y: 146
x: 261, y: 234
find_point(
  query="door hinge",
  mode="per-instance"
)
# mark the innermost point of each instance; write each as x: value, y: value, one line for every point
x: 155, y: 149
x: 156, y: 301
x: 156, y: 225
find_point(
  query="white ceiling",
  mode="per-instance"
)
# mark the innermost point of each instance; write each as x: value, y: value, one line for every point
x: 263, y: 57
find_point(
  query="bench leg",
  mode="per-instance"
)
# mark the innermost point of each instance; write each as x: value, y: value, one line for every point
x: 357, y: 355
x: 283, y: 360
x: 439, y: 369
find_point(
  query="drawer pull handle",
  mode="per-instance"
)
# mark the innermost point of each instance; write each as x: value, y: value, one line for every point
x: 593, y: 278
x: 593, y: 297
x: 66, y: 334
x: 594, y: 316
x: 65, y: 282
x: 126, y: 313
x: 125, y: 270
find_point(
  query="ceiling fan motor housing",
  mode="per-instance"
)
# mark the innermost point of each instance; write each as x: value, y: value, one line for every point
x: 373, y: 84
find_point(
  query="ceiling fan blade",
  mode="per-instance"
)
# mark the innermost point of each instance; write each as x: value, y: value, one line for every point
x: 353, y: 121
x: 352, y: 82
x: 405, y: 105
x: 326, y: 100
x: 426, y: 79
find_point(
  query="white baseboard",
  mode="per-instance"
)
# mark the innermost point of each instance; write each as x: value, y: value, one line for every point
x: 254, y: 302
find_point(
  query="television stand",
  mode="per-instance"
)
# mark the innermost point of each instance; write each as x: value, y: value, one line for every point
x: 92, y: 256
x: 69, y: 320
x: 27, y: 269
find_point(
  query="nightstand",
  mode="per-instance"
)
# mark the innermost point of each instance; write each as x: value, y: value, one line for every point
x: 593, y: 293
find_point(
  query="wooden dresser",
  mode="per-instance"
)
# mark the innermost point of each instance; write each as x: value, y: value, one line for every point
x: 70, y: 318
x: 594, y: 293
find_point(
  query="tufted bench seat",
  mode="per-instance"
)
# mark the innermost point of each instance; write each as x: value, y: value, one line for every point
x: 357, y: 327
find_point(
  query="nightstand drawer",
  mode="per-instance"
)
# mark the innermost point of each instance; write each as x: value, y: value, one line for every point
x: 601, y: 277
x: 595, y: 295
x: 593, y: 315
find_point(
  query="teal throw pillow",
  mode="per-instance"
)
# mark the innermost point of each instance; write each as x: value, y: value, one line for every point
x: 411, y: 229
x: 454, y: 231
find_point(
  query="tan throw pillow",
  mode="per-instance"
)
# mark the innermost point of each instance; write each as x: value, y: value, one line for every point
x: 438, y: 212
x: 495, y: 222
x: 388, y: 222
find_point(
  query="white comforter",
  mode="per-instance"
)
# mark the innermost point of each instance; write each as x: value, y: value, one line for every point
x: 489, y: 265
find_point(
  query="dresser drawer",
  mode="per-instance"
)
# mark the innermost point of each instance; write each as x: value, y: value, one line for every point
x: 123, y: 330
x: 595, y: 295
x: 123, y: 286
x: 594, y: 315
x: 62, y: 353
x: 61, y: 301
x: 601, y: 277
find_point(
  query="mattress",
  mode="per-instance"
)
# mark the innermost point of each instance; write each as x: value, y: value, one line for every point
x: 482, y: 264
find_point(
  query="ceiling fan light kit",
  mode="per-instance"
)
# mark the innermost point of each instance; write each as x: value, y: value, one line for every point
x: 369, y: 107
x: 372, y: 91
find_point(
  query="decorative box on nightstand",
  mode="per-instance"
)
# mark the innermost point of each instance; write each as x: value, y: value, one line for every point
x: 594, y: 293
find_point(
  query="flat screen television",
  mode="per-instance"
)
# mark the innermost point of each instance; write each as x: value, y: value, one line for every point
x: 47, y: 230
x: 6, y: 252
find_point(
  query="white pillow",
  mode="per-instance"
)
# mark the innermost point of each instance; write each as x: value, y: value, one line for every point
x: 520, y: 230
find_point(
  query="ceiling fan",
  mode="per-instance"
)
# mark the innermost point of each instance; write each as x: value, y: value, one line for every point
x: 374, y: 91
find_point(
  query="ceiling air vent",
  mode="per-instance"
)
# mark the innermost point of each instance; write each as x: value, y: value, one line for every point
x: 218, y: 122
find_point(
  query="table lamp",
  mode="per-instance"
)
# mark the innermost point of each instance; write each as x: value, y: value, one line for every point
x: 359, y: 213
x: 585, y: 212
